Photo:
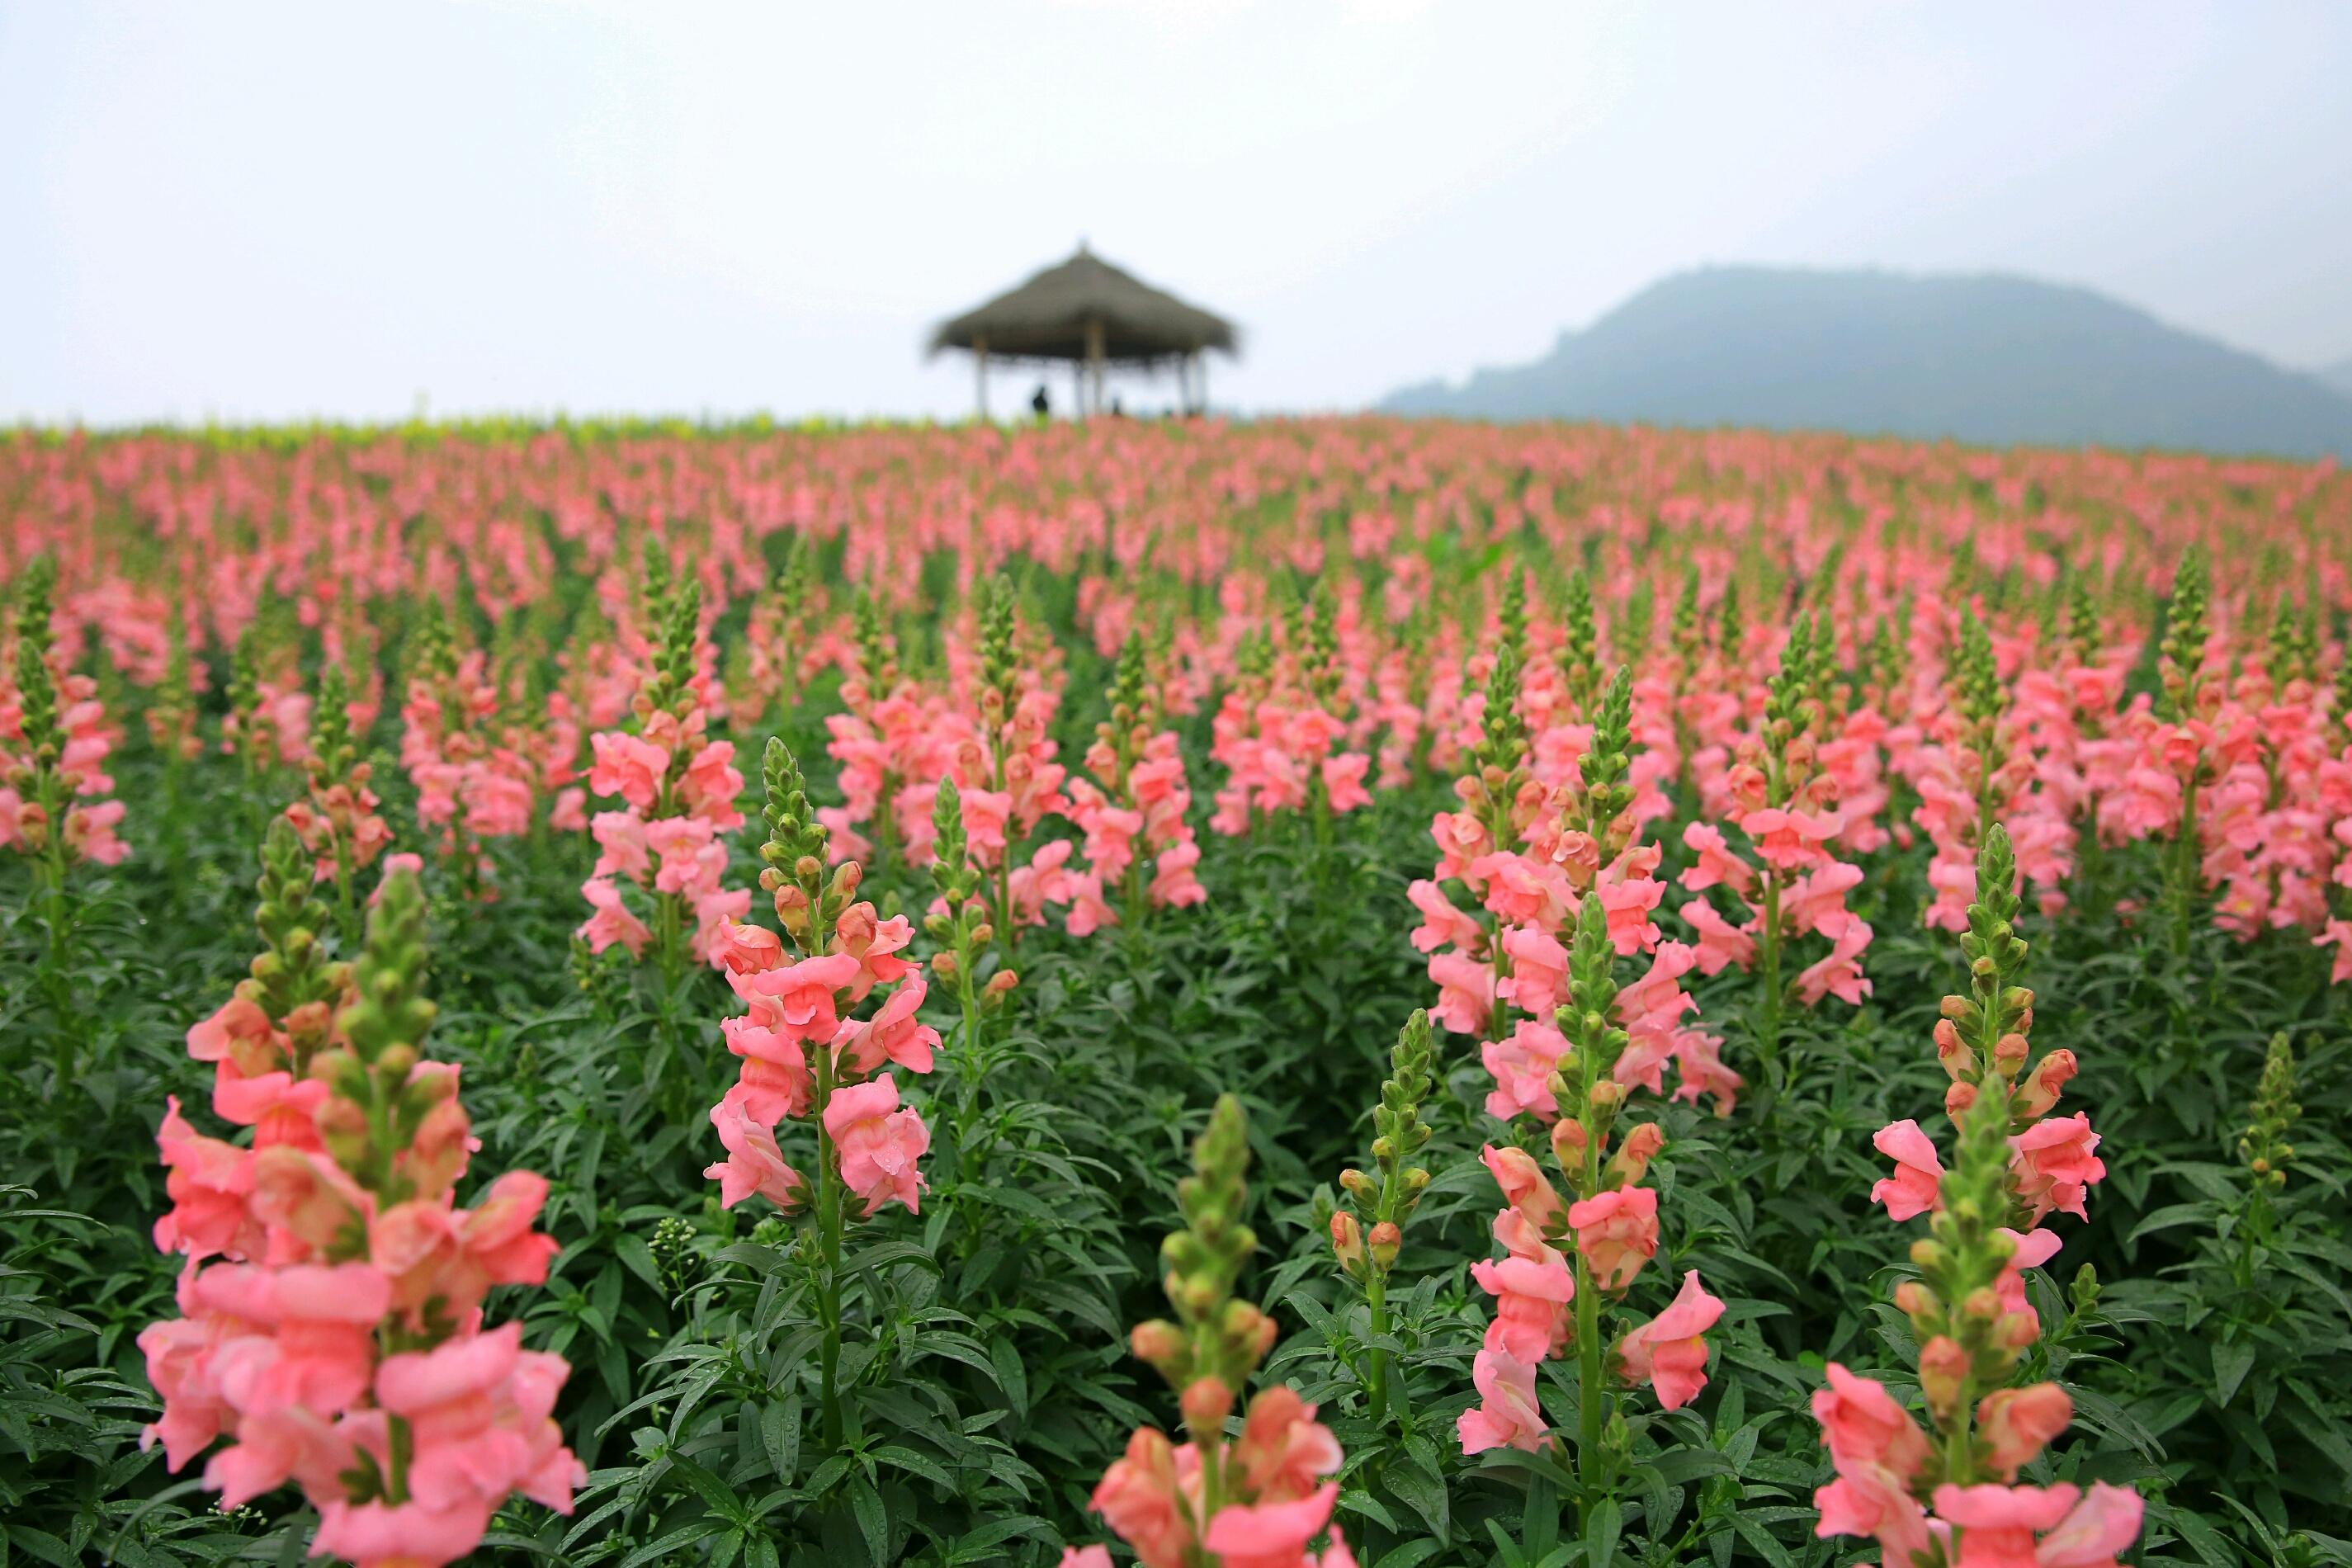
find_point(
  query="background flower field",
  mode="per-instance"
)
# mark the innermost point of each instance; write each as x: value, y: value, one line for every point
x: 1483, y: 809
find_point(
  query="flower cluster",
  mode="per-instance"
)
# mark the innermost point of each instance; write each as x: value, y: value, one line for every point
x: 1543, y: 1305
x: 1780, y: 793
x: 1950, y: 1494
x: 1368, y: 1235
x: 332, y: 1296
x: 1132, y: 811
x: 1283, y: 733
x: 1258, y: 1500
x: 337, y: 818
x: 470, y: 787
x: 677, y: 791
x: 799, y: 1006
x: 1537, y: 838
x: 54, y: 741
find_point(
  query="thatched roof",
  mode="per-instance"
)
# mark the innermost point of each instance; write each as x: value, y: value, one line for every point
x: 1047, y: 317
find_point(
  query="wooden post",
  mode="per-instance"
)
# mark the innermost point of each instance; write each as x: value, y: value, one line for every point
x: 1200, y: 382
x: 980, y: 375
x: 1095, y: 361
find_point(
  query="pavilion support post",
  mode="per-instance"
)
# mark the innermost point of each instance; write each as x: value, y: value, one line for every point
x: 979, y: 376
x: 1095, y: 363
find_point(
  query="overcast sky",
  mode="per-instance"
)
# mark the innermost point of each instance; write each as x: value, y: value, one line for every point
x: 248, y: 211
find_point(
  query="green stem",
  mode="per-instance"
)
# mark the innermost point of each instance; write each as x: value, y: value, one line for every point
x: 1767, y: 952
x: 828, y: 1281
x: 1376, y: 1378
x: 1591, y: 1394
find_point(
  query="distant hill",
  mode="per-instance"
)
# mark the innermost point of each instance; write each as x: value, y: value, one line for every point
x: 1989, y: 359
x: 2337, y: 375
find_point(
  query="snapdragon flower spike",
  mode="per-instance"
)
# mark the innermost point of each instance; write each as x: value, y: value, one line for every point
x: 1138, y: 843
x: 1949, y: 1494
x: 337, y: 818
x: 958, y: 921
x: 677, y: 791
x: 338, y: 1340
x: 54, y: 741
x: 1262, y: 1500
x: 1368, y: 1234
x: 1780, y: 793
x: 1607, y: 1229
x: 806, y: 1055
x: 1982, y: 1041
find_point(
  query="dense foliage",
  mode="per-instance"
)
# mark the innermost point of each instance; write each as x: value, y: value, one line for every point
x: 870, y: 874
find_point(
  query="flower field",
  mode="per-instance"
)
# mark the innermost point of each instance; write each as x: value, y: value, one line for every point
x: 1324, y: 992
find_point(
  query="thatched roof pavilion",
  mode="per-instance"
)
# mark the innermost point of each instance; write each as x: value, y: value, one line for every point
x: 1092, y: 315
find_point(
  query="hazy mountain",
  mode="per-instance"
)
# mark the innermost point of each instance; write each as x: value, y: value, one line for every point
x: 1991, y: 359
x: 2337, y: 375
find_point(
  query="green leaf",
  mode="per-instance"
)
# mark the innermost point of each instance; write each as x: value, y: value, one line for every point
x: 873, y: 1519
x: 1600, y: 1533
x: 2232, y: 1362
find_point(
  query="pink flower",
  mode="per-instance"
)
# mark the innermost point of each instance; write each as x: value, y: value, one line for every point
x: 1878, y: 1450
x: 1465, y: 997
x: 877, y: 1142
x: 320, y: 1348
x: 798, y: 1000
x: 1523, y: 1063
x: 1520, y: 891
x: 2096, y: 1532
x: 711, y: 785
x: 1998, y: 1523
x: 1506, y: 1415
x: 753, y: 1164
x: 1531, y: 1289
x: 621, y: 837
x: 1791, y: 840
x: 1085, y: 1557
x: 1667, y: 1352
x: 209, y: 1184
x: 1617, y: 1232
x: 1717, y: 862
x: 1916, y: 1186
x: 1270, y: 1534
x: 1343, y: 780
x: 746, y: 949
x: 1862, y: 1424
x: 1838, y: 973
x: 876, y: 944
x: 612, y: 921
x: 1628, y: 904
x: 894, y: 1034
x: 1444, y: 925
x: 2054, y: 1164
x: 2018, y: 1423
x: 1817, y: 902
x: 1525, y: 1187
x: 1139, y: 1498
x: 409, y: 1534
x: 1720, y: 944
x: 1538, y: 970
x: 628, y: 766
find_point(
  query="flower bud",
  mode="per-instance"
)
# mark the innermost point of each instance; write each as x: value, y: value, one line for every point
x: 2009, y: 1054
x: 1958, y: 1097
x: 1386, y: 1241
x: 1158, y: 1342
x: 1348, y: 1243
x: 1002, y: 982
x: 1357, y: 1186
x: 1607, y: 1093
x: 1943, y: 1368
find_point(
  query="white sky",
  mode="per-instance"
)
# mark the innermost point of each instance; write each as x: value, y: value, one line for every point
x: 244, y: 210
